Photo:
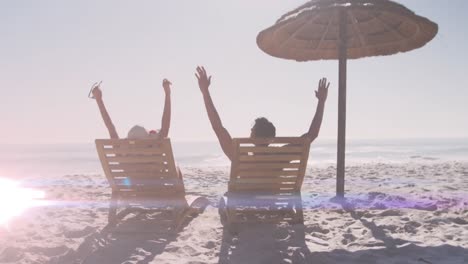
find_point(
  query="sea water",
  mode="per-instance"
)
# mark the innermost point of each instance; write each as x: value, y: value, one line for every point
x: 43, y: 161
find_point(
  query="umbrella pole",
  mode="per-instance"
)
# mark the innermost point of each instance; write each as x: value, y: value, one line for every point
x: 340, y: 168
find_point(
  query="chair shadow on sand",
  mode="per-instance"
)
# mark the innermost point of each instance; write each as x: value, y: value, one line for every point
x: 286, y: 243
x: 282, y: 241
x: 139, y: 237
x: 394, y: 249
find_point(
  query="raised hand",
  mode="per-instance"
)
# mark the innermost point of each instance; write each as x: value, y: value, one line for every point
x: 203, y: 80
x: 322, y: 91
x: 97, y: 93
x: 167, y: 86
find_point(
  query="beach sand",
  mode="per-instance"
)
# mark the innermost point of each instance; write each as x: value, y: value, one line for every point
x: 395, y: 213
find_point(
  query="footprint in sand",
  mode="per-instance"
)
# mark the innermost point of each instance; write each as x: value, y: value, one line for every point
x: 79, y: 233
x: 448, y: 237
x: 411, y: 227
x: 348, y: 238
x: 210, y: 245
x: 391, y: 212
x: 91, y: 214
x: 317, y: 241
x: 316, y: 228
x: 48, y: 251
x: 459, y: 221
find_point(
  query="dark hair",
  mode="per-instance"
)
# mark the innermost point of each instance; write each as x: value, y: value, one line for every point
x: 264, y: 128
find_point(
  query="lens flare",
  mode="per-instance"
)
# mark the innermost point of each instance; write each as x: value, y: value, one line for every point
x: 15, y: 200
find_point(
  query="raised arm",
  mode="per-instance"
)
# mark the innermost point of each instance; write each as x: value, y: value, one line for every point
x: 166, y: 118
x: 97, y: 93
x: 224, y: 138
x: 321, y: 95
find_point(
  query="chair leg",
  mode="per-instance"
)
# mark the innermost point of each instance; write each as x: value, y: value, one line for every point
x: 298, y: 216
x: 179, y: 218
x: 228, y: 217
x: 112, y: 217
x: 222, y: 210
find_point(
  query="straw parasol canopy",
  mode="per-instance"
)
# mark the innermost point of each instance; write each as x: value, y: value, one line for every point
x: 342, y: 29
x: 374, y: 27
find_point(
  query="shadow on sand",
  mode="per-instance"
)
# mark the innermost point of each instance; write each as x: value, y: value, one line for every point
x: 266, y: 243
x: 261, y: 242
x: 284, y: 243
x: 138, y: 238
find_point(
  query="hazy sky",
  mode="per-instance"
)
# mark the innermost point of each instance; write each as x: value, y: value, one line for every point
x: 52, y: 51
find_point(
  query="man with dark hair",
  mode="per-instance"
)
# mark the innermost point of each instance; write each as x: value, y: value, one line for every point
x: 262, y: 128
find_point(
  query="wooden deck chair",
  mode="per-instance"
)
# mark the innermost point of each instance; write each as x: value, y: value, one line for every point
x: 265, y: 181
x: 143, y: 175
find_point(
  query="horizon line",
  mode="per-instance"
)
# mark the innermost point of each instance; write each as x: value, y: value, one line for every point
x: 328, y: 139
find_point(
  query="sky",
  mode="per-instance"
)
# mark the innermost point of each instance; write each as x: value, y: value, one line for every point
x: 52, y: 51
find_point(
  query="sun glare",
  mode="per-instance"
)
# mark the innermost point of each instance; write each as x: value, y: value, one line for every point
x: 14, y: 199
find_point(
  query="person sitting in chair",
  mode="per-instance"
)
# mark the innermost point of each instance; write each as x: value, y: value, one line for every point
x: 262, y: 127
x: 139, y: 132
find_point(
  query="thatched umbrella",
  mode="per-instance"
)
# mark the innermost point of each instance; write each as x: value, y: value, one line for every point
x: 342, y: 29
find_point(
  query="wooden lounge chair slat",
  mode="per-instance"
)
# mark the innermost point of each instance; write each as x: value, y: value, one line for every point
x: 278, y: 140
x: 255, y: 200
x: 286, y: 149
x: 269, y: 158
x: 136, y: 160
x: 266, y: 166
x: 266, y: 180
x: 157, y: 184
x: 140, y: 174
x: 155, y: 165
x: 267, y: 173
x: 133, y: 152
x: 147, y: 192
x: 127, y: 142
x: 129, y: 182
x: 280, y: 179
x: 262, y: 186
x: 138, y: 167
x: 137, y: 175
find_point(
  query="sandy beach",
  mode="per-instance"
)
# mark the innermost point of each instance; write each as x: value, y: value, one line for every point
x: 104, y: 101
x: 396, y: 213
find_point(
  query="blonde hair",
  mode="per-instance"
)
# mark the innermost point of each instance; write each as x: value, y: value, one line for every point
x: 137, y: 132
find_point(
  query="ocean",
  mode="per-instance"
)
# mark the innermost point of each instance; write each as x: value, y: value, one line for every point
x: 43, y: 161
